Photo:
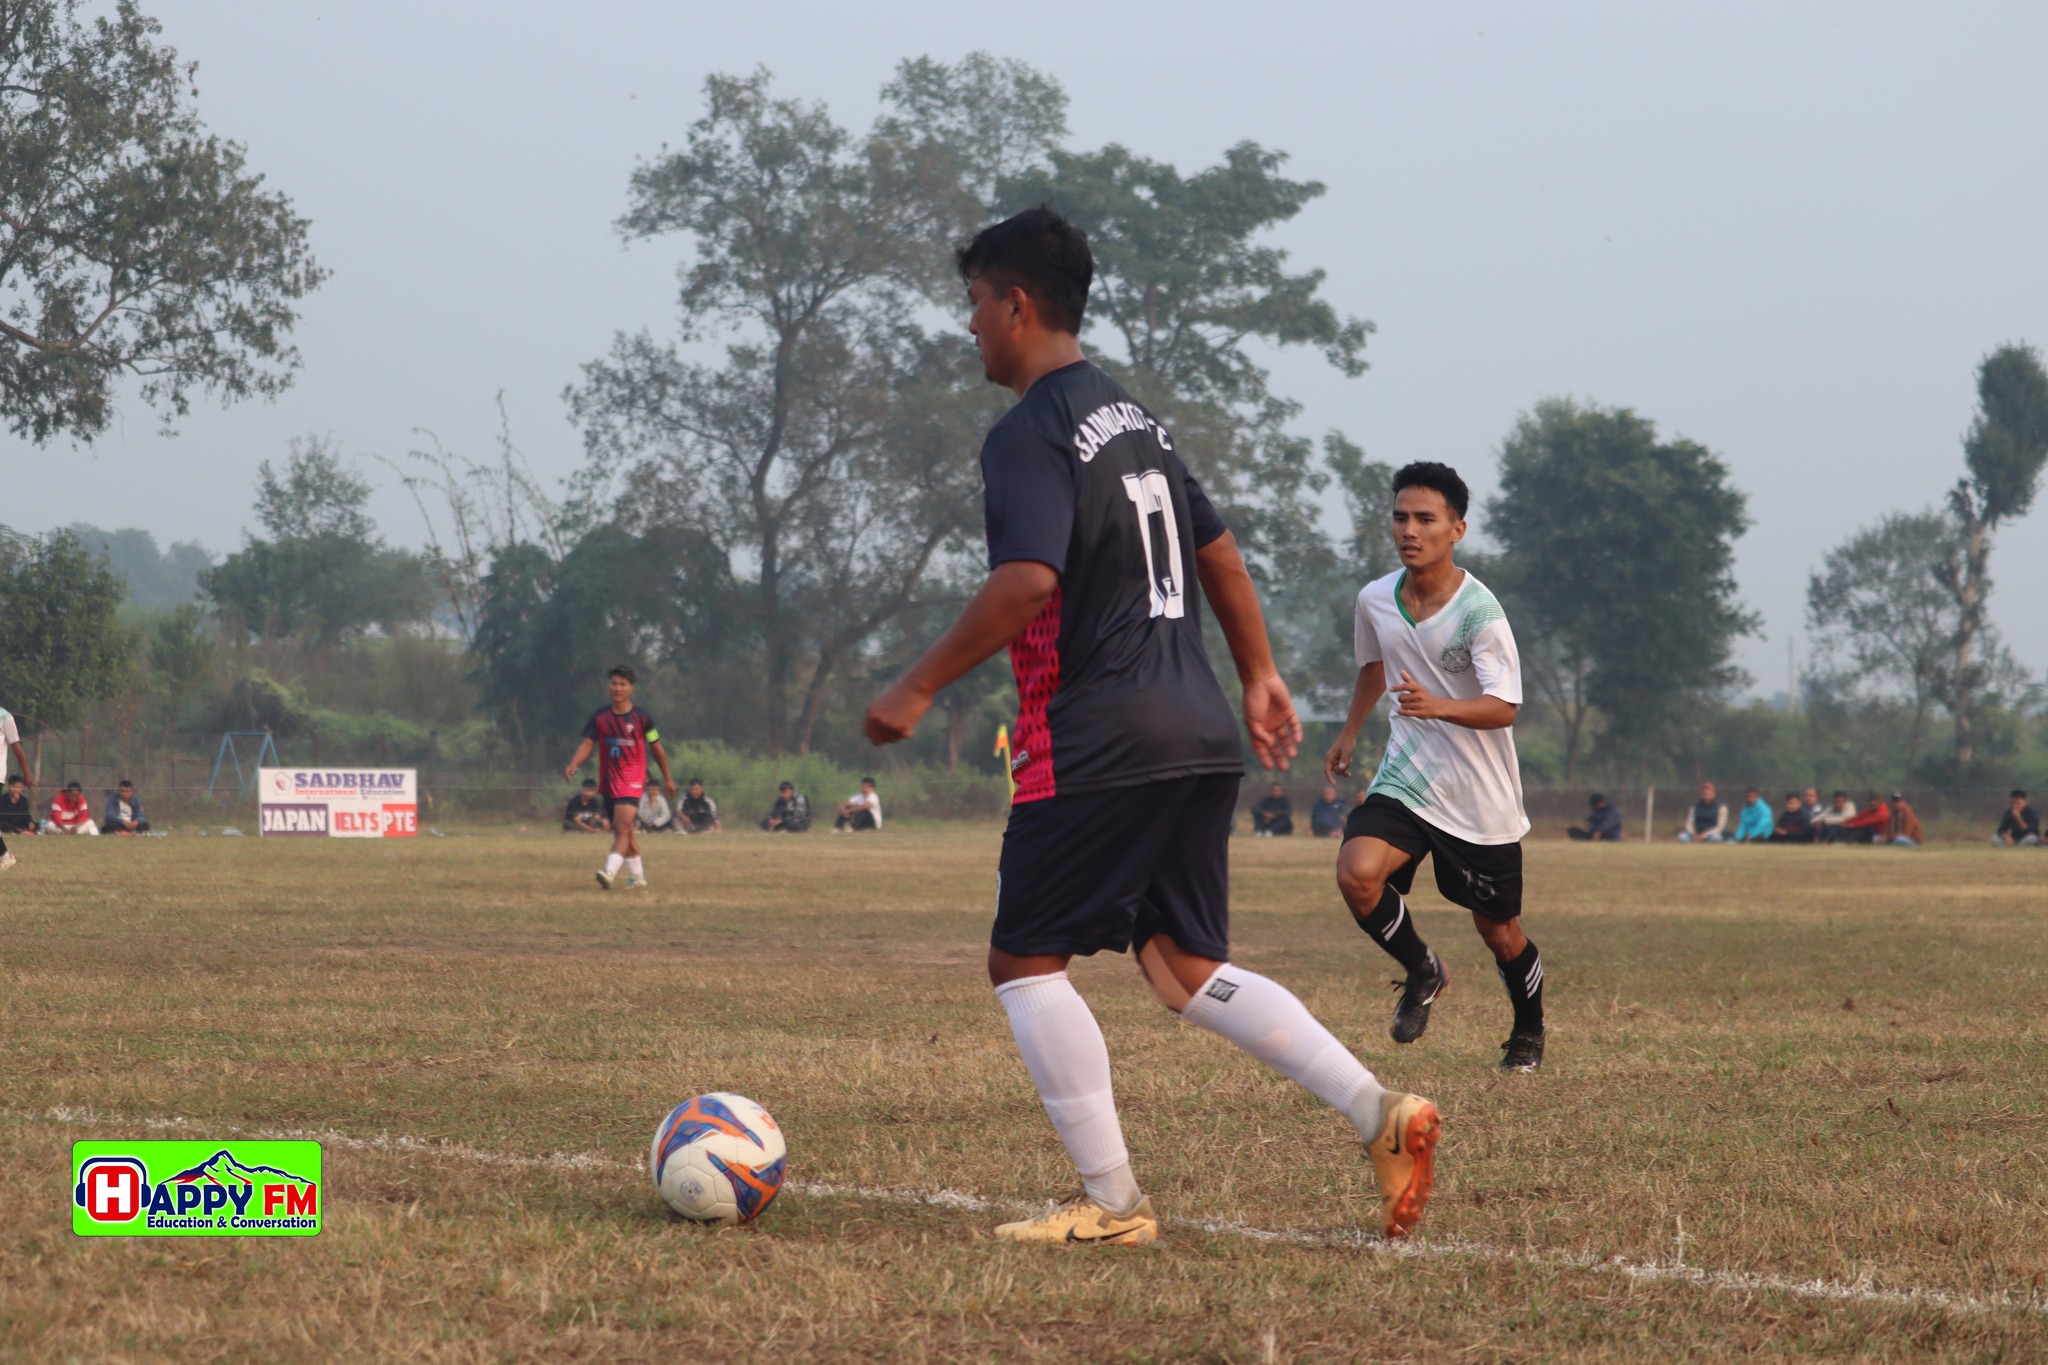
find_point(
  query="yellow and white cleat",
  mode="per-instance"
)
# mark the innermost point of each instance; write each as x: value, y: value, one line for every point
x: 1404, y: 1160
x: 1082, y: 1221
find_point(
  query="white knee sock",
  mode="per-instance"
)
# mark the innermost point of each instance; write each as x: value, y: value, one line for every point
x: 1069, y: 1063
x: 1263, y: 1017
x: 611, y: 864
x: 633, y: 866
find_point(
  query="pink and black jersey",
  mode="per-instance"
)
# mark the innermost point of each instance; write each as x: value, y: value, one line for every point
x: 1113, y: 683
x: 622, y: 742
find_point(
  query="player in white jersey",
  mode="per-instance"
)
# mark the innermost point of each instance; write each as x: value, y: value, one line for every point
x: 10, y: 743
x: 1448, y: 787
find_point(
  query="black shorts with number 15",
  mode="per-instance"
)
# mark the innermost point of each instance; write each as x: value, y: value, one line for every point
x: 1484, y: 878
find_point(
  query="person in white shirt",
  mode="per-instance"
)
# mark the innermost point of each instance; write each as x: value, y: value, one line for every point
x: 862, y: 810
x: 1449, y: 786
x: 10, y: 743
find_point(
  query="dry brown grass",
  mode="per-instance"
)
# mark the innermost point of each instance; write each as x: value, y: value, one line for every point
x: 1824, y: 1063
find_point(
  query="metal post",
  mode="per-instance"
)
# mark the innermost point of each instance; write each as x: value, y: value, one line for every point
x: 1649, y: 814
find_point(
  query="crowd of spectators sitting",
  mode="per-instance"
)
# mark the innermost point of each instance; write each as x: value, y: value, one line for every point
x: 696, y: 811
x: 70, y: 812
x: 1802, y: 819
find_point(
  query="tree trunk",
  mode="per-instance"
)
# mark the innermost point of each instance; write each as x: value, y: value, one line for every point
x: 814, y: 702
x: 1970, y: 599
x: 1913, y: 739
x: 956, y: 726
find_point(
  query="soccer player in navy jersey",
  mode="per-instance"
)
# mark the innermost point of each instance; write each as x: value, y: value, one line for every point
x: 1101, y: 548
x: 623, y: 736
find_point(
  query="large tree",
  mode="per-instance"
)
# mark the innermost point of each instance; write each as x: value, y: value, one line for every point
x: 1883, y: 619
x: 807, y: 453
x: 64, y: 646
x: 133, y: 242
x: 323, y: 573
x: 1617, y: 555
x: 2002, y: 456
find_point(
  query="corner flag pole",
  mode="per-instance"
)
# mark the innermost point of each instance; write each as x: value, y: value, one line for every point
x: 1002, y: 751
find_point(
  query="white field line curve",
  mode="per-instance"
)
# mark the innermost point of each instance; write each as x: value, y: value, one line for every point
x: 1860, y: 1291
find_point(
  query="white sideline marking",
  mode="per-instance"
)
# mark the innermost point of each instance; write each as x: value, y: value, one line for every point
x: 1861, y: 1290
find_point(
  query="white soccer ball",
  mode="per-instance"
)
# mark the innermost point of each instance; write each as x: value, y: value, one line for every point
x: 718, y: 1159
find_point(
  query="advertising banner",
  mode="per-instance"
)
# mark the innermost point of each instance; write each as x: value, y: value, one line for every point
x: 348, y: 803
x: 196, y: 1189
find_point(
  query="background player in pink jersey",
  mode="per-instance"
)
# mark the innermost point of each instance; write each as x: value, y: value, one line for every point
x: 623, y: 735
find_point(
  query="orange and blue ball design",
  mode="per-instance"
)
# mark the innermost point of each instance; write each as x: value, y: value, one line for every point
x: 718, y: 1158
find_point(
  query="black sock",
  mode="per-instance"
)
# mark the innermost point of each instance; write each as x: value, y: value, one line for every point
x: 1524, y: 979
x: 1393, y: 928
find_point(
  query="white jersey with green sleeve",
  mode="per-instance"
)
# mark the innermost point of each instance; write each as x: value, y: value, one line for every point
x: 1465, y: 782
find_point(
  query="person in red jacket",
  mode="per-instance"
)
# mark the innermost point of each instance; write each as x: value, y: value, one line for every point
x: 70, y: 813
x: 1868, y: 825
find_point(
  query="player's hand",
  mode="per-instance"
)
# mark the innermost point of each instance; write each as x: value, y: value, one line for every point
x: 894, y: 715
x: 1337, y: 762
x: 668, y: 787
x: 1270, y: 719
x: 1417, y: 701
x: 569, y: 774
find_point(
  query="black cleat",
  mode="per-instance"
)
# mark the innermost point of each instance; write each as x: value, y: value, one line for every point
x: 1522, y: 1052
x: 1418, y: 993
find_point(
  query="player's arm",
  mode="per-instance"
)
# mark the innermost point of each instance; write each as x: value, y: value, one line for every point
x: 668, y: 783
x: 1268, y: 709
x: 1010, y: 599
x: 1365, y: 694
x: 1480, y: 713
x: 582, y: 753
x: 21, y: 764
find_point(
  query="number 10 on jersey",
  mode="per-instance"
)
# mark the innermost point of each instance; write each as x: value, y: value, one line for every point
x: 1152, y: 497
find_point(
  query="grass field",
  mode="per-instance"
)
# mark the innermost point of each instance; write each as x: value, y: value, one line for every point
x: 1796, y: 1103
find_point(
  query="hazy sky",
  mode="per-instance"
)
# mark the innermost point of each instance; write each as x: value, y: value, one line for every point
x: 1788, y: 232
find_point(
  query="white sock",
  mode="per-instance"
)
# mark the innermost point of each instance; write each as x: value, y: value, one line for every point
x: 1263, y: 1017
x: 633, y: 866
x: 1069, y: 1063
x: 611, y: 864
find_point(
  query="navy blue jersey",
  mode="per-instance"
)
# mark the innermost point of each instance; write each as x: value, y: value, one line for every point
x: 1114, y: 686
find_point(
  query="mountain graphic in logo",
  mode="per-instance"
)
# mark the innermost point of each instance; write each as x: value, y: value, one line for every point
x: 222, y: 1169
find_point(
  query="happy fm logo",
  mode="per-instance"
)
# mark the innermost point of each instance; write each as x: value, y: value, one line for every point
x: 117, y: 1189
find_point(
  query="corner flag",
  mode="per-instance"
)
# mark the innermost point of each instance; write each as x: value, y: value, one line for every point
x: 1003, y: 752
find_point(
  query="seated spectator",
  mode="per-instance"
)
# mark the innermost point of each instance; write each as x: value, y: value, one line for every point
x: 1810, y: 803
x: 1827, y: 826
x: 655, y: 816
x: 1794, y: 825
x: 1755, y: 824
x: 124, y: 811
x: 70, y: 813
x: 2020, y: 826
x: 791, y: 813
x: 17, y: 813
x: 1358, y: 797
x: 1707, y: 821
x: 1273, y: 813
x: 697, y: 813
x: 1905, y: 831
x: 862, y: 810
x: 1603, y: 822
x: 585, y: 811
x: 1326, y: 817
x: 1868, y: 825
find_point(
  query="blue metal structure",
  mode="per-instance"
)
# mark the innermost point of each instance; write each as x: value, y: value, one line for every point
x: 228, y: 750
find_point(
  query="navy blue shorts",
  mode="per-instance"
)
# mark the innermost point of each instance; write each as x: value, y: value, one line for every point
x: 612, y: 804
x: 1109, y: 869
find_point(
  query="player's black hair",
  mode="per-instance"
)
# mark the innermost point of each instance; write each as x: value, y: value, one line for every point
x: 1039, y: 252
x: 1839, y: 792
x: 786, y: 786
x: 1597, y: 799
x: 72, y: 787
x: 590, y: 782
x: 871, y: 780
x: 694, y: 782
x: 124, y: 782
x: 1441, y: 477
x: 2019, y: 793
x: 622, y: 671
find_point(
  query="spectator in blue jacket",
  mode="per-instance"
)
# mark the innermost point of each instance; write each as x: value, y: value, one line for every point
x: 1603, y: 823
x: 124, y: 811
x: 1326, y: 817
x: 1756, y: 826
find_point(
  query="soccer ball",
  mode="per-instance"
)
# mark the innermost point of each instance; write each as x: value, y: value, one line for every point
x: 718, y: 1159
